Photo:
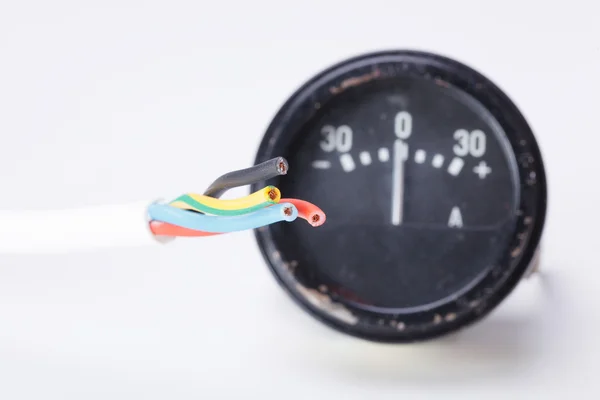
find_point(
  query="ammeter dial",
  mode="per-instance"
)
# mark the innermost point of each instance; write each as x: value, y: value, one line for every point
x: 434, y: 189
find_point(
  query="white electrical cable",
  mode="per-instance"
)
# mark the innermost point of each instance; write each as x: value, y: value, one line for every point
x: 82, y: 229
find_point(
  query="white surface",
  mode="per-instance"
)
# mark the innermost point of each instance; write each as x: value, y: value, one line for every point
x: 120, y: 101
x: 75, y: 229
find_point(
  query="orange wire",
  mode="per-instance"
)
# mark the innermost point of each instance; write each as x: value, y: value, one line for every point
x: 307, y: 211
x: 166, y: 229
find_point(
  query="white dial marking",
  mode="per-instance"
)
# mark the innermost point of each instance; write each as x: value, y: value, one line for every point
x: 482, y: 170
x: 455, y: 166
x: 400, y: 154
x: 321, y: 164
x: 437, y: 161
x: 420, y: 156
x: 365, y: 158
x: 347, y: 162
x: 455, y: 220
x: 383, y: 154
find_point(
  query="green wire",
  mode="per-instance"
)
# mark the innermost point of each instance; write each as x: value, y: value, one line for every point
x: 217, y: 211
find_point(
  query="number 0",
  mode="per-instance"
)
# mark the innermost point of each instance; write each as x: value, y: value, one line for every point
x: 343, y: 138
x: 403, y: 125
x: 477, y: 143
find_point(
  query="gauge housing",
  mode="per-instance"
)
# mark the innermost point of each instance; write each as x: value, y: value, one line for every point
x: 462, y: 307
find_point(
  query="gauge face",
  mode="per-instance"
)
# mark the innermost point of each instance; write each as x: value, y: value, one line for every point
x: 414, y: 174
x: 430, y: 196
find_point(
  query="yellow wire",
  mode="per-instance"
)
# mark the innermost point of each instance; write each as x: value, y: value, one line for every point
x: 183, y: 205
x: 253, y: 200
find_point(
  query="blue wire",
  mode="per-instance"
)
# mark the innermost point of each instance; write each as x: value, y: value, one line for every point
x: 221, y: 224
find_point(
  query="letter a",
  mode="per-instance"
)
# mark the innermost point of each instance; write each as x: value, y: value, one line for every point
x: 455, y: 220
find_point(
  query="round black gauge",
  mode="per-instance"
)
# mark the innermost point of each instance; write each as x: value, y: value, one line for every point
x: 434, y: 190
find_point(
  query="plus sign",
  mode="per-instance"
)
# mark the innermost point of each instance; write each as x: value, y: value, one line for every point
x: 482, y: 170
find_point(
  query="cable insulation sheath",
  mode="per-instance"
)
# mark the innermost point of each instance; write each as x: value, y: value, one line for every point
x: 75, y: 229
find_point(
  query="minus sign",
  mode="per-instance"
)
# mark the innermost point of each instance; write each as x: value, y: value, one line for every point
x: 321, y: 164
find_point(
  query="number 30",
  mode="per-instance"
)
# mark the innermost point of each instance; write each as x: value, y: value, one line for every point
x: 469, y: 143
x: 339, y: 138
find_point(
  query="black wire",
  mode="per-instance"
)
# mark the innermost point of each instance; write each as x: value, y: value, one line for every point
x: 261, y: 172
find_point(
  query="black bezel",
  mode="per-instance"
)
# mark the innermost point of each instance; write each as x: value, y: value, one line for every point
x: 502, y: 278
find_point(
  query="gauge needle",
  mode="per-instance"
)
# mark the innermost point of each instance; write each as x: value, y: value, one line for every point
x: 398, y: 182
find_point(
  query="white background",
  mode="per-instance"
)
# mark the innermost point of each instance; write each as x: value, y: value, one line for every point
x: 121, y: 101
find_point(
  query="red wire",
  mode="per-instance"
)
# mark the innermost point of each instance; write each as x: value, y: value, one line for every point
x: 307, y: 211
x: 166, y: 229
